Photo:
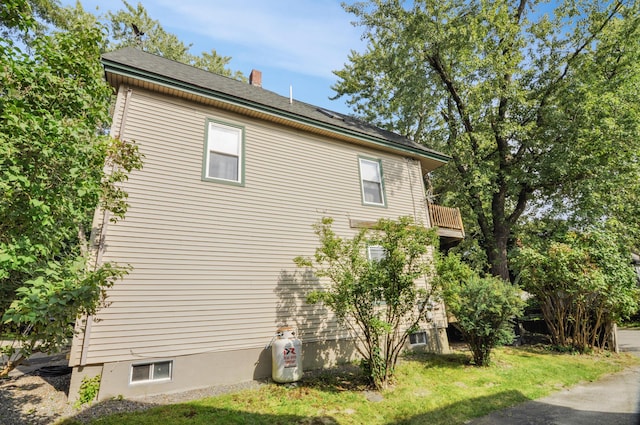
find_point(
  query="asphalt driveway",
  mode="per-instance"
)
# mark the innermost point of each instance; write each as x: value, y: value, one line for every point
x: 613, y: 400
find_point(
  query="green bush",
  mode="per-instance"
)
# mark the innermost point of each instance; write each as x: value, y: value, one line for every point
x: 584, y: 283
x: 482, y: 306
x: 88, y: 390
x: 381, y: 301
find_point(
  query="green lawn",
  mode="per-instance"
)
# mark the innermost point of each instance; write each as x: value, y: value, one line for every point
x: 434, y: 389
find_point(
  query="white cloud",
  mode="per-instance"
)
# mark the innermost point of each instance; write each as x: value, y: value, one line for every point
x: 304, y: 36
x: 294, y: 42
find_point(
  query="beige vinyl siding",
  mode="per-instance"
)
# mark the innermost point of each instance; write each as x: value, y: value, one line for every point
x: 85, y: 323
x: 212, y: 263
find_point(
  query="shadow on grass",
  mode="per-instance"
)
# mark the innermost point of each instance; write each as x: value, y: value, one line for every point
x: 508, y: 407
x: 460, y: 412
x: 537, y: 413
x: 185, y: 413
x: 342, y: 379
x: 505, y: 413
x: 350, y: 377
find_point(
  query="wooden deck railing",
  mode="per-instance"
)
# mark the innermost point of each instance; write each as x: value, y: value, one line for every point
x: 447, y: 220
x: 444, y: 217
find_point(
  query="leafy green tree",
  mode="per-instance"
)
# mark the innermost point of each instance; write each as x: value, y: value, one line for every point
x: 536, y: 103
x: 150, y: 36
x: 15, y: 14
x: 584, y: 283
x: 53, y: 107
x: 18, y: 15
x: 482, y: 306
x: 382, y: 300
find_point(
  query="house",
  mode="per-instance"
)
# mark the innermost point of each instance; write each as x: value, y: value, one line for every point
x: 234, y: 178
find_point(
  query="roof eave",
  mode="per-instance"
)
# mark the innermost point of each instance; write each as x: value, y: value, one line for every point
x: 436, y: 159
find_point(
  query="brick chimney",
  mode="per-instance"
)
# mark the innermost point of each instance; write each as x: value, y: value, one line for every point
x: 255, y: 78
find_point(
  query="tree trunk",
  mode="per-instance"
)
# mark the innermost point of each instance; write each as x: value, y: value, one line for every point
x: 497, y: 254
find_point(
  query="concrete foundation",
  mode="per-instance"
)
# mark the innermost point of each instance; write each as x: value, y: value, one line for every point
x: 221, y: 368
x: 204, y: 370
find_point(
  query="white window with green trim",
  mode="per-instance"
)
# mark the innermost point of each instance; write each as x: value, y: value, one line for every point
x: 224, y: 147
x: 371, y: 182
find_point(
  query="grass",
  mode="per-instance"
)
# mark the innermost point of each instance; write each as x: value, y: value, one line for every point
x: 438, y: 389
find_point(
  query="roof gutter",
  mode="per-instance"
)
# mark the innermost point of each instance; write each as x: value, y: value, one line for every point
x: 124, y: 70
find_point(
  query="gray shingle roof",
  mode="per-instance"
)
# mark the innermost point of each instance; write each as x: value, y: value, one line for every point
x: 136, y: 63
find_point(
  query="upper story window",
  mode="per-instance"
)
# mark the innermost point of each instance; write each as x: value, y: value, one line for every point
x: 371, y: 182
x: 224, y: 149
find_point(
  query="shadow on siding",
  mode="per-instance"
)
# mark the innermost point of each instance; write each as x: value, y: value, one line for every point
x: 324, y: 341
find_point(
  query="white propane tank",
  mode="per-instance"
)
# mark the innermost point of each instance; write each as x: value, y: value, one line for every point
x: 286, y: 355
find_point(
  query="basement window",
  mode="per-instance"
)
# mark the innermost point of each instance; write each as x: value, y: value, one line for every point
x: 146, y: 372
x: 418, y: 338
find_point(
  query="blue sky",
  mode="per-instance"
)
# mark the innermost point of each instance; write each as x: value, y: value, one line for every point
x: 293, y: 42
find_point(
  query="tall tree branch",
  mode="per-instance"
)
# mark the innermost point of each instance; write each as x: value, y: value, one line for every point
x: 436, y: 64
x: 550, y: 89
x: 521, y: 204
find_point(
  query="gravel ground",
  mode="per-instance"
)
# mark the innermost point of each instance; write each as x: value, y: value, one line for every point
x: 34, y: 399
x: 40, y: 400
